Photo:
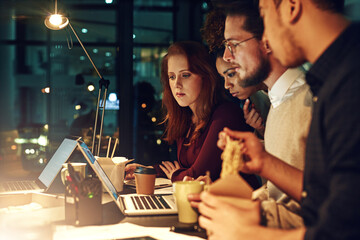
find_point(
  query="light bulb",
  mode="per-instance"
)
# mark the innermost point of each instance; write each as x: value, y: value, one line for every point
x: 112, y: 97
x: 55, y: 19
x: 91, y: 87
x: 56, y: 22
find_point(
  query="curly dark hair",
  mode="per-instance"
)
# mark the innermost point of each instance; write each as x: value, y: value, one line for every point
x: 246, y: 8
x: 213, y: 30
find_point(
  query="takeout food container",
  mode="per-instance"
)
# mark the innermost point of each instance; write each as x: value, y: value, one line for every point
x: 115, y: 170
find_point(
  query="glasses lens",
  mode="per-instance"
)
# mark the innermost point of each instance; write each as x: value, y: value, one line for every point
x: 230, y: 47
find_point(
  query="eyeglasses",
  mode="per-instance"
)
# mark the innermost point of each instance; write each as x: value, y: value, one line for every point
x: 232, y: 44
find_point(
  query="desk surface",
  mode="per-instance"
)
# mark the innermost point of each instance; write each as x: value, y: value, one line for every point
x: 112, y: 215
x: 54, y: 212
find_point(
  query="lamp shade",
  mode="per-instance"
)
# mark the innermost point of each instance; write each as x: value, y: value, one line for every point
x: 56, y: 22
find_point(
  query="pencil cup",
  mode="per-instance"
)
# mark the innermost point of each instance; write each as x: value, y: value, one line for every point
x: 145, y: 180
x: 78, y: 167
x: 186, y: 213
x: 83, y: 202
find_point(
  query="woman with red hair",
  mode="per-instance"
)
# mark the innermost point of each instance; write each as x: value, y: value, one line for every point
x: 196, y: 111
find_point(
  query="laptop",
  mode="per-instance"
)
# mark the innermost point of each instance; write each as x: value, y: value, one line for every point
x: 131, y: 204
x: 46, y: 177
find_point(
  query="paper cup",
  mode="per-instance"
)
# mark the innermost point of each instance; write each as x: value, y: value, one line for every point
x: 186, y: 213
x: 145, y: 180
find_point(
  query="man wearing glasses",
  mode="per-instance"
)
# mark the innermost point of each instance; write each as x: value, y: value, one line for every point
x: 289, y: 116
x: 328, y: 189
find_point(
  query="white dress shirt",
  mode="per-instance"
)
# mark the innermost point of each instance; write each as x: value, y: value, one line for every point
x: 288, y: 83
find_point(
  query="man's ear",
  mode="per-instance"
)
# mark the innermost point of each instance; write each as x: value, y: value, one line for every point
x: 294, y: 10
x: 266, y: 45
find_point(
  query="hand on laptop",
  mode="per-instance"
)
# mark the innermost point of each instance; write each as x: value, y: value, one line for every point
x: 169, y: 167
x: 130, y: 169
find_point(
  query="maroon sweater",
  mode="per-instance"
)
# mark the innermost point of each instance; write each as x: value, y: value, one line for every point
x: 204, y: 155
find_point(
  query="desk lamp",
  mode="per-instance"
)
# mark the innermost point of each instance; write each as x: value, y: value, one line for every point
x: 58, y: 22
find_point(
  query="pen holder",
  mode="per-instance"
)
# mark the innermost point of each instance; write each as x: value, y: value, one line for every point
x: 83, y: 202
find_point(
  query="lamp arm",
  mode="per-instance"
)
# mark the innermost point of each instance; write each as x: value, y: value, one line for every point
x: 102, y: 83
x: 102, y: 121
x: 97, y: 71
x: 95, y: 125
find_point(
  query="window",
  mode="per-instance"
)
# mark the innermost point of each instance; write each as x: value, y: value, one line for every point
x: 46, y: 74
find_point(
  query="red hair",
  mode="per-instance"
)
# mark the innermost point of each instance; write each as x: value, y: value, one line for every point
x: 178, y: 119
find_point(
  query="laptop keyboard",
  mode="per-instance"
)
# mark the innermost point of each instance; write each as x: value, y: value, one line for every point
x: 18, y: 186
x: 150, y: 202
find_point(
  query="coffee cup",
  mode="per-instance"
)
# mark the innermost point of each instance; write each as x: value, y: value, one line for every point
x: 78, y: 167
x: 186, y: 214
x: 145, y: 180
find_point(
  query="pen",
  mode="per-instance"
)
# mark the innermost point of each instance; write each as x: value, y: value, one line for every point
x: 72, y: 186
x: 190, y: 228
x: 164, y: 185
x: 75, y: 176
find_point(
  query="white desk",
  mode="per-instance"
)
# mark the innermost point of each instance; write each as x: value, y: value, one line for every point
x: 21, y: 218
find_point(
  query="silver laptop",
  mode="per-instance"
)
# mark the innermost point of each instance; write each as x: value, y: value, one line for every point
x: 46, y: 177
x: 131, y: 204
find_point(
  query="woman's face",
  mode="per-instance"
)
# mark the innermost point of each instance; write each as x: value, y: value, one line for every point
x: 232, y: 80
x: 185, y: 85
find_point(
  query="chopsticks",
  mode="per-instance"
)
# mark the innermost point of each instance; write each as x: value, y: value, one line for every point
x: 109, y: 145
x: 113, y: 152
x: 108, y: 149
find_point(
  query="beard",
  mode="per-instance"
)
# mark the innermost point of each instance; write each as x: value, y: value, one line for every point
x: 259, y: 75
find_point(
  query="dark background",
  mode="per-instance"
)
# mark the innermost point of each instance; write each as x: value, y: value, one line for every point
x: 126, y: 40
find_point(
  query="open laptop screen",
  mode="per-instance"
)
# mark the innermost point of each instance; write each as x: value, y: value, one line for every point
x: 99, y: 171
x: 53, y: 167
